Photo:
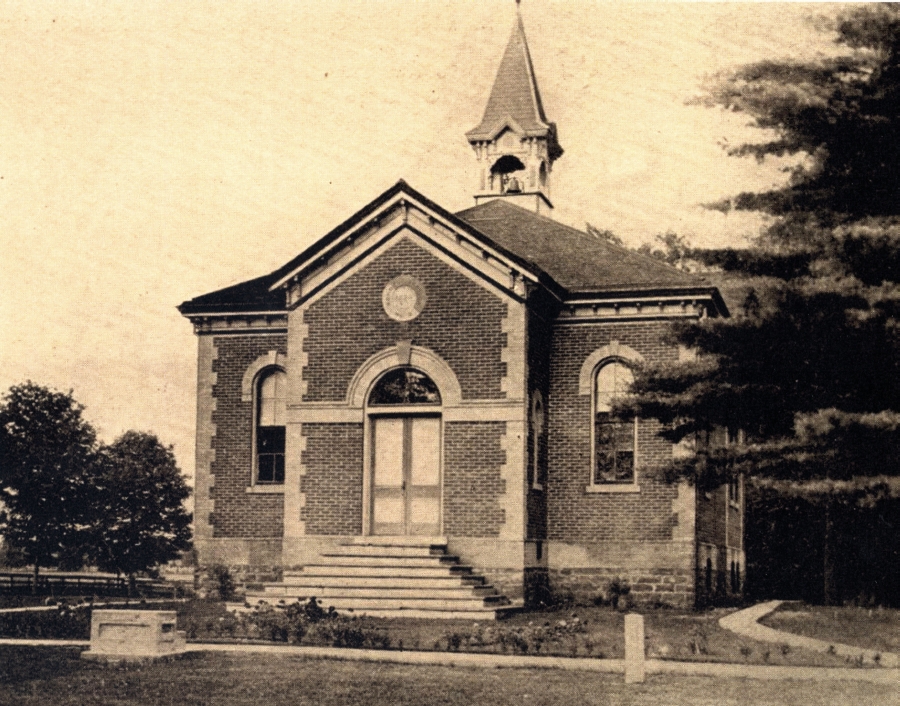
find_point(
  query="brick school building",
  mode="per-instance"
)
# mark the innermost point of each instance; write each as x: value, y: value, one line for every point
x: 420, y: 383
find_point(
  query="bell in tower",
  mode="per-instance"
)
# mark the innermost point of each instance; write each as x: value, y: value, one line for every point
x: 515, y: 144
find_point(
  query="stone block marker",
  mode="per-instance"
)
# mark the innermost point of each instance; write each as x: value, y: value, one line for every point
x: 133, y: 635
x: 634, y: 648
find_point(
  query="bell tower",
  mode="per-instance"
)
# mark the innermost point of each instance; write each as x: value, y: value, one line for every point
x: 515, y: 144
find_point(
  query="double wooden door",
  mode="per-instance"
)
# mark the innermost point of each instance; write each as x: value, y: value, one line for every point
x: 406, y: 475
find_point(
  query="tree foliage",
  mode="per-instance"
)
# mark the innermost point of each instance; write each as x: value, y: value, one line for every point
x: 47, y: 460
x: 842, y: 113
x: 809, y: 365
x: 66, y: 498
x: 139, y: 516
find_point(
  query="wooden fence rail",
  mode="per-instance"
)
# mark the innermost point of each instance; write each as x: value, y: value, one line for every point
x: 72, y: 584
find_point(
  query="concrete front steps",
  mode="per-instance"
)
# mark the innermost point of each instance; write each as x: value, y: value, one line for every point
x: 391, y: 577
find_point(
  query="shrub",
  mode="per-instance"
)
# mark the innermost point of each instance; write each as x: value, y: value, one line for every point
x: 64, y: 623
x: 530, y: 639
x: 224, y: 581
x: 699, y: 640
x: 617, y: 590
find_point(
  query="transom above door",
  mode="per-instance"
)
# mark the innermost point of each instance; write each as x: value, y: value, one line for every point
x: 406, y: 446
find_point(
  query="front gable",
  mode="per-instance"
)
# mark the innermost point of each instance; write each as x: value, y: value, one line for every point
x: 458, y: 314
x: 403, y: 215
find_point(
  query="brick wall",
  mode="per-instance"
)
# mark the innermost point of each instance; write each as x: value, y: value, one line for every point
x: 333, y: 480
x: 574, y: 514
x: 597, y: 537
x: 461, y: 322
x: 472, y: 484
x: 236, y: 513
x: 539, y: 342
x: 719, y: 538
x: 711, y: 516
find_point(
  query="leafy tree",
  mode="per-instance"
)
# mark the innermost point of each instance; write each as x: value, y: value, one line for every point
x: 139, y: 515
x: 47, y: 460
x: 809, y: 365
x: 668, y: 247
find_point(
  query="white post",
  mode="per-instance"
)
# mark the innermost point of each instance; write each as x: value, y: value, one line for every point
x: 634, y: 648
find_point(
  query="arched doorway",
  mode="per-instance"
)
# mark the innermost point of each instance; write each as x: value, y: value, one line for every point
x: 404, y: 411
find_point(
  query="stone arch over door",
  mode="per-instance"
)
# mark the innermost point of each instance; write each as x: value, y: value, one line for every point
x: 417, y: 357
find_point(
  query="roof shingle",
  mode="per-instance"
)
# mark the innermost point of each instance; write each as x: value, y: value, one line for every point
x: 514, y: 96
x: 576, y: 261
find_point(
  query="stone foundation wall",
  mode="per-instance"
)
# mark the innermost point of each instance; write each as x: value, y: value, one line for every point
x: 650, y: 587
x: 658, y: 573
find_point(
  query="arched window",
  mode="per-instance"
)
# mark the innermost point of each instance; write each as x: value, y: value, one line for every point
x: 614, y: 438
x: 269, y: 432
x: 403, y: 386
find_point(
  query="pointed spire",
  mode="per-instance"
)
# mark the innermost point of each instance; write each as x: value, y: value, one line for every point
x: 515, y: 145
x: 515, y: 97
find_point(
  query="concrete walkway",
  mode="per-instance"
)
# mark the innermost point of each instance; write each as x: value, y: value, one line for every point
x: 586, y: 664
x: 746, y: 623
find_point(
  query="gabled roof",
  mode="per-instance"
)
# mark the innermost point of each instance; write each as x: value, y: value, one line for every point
x: 251, y: 296
x: 564, y: 259
x: 515, y: 100
x: 578, y: 262
x: 263, y: 293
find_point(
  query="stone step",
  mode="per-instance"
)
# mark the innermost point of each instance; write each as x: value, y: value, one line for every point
x: 399, y: 541
x: 441, y: 571
x: 390, y: 577
x: 358, y: 604
x: 388, y: 560
x: 326, y: 593
x: 391, y: 581
x: 387, y: 550
x: 479, y: 615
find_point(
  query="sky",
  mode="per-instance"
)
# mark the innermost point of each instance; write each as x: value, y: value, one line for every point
x: 152, y: 152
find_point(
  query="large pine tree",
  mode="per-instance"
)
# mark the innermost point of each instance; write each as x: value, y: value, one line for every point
x: 809, y: 366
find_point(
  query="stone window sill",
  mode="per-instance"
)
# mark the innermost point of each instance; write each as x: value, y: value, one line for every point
x: 265, y: 489
x: 614, y: 488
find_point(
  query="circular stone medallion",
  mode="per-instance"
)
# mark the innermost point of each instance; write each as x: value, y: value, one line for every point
x: 403, y: 298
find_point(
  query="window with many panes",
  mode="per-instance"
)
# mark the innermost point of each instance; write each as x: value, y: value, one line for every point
x: 614, y: 438
x: 269, y: 432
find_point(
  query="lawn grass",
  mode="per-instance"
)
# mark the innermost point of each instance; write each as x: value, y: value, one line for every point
x: 576, y: 631
x: 599, y: 632
x: 871, y: 628
x: 40, y: 676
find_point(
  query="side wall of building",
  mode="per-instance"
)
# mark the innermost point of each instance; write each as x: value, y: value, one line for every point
x: 643, y: 534
x: 720, y: 544
x: 234, y: 526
